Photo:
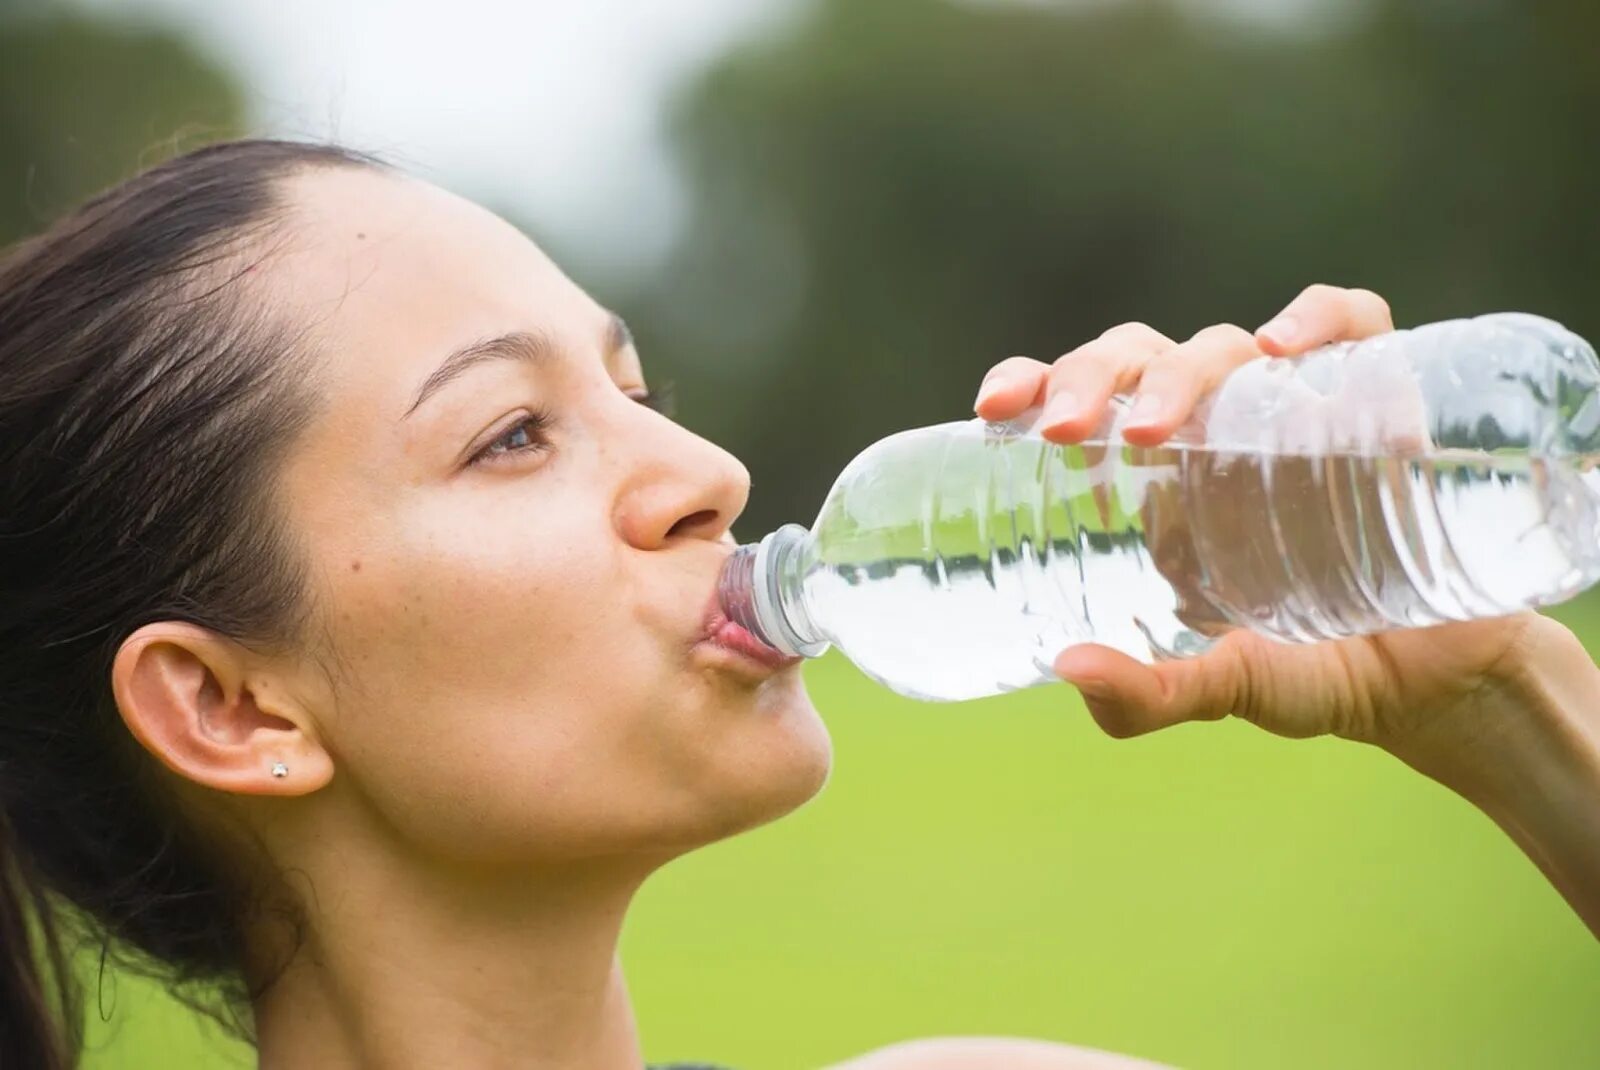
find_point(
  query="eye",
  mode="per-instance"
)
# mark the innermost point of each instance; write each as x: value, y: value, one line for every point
x: 527, y: 435
x: 659, y: 398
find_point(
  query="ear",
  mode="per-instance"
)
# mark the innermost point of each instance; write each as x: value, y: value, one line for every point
x: 201, y: 704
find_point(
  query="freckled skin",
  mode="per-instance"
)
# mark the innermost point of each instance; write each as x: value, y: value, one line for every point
x: 521, y: 683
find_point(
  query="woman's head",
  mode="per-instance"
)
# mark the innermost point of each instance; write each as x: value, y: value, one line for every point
x: 308, y: 462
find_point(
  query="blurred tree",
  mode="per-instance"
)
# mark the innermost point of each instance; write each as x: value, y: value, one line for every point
x: 84, y: 103
x: 890, y: 196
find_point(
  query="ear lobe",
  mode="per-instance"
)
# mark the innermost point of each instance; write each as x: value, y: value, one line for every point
x: 183, y: 693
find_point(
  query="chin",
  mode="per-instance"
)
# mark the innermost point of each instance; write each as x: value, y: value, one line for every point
x: 784, y: 766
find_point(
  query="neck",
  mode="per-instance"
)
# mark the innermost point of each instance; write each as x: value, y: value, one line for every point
x: 401, y: 970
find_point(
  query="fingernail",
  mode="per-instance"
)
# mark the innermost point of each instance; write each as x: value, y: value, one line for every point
x: 1090, y: 687
x: 1064, y: 664
x: 1283, y: 329
x: 1059, y: 408
x: 989, y: 389
x: 1146, y: 410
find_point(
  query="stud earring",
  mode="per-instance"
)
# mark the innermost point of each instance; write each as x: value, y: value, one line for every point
x: 280, y: 770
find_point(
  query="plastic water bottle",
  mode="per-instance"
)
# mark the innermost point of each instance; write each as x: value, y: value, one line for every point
x: 1439, y: 474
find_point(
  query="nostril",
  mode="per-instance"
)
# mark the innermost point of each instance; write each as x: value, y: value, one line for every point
x: 688, y: 525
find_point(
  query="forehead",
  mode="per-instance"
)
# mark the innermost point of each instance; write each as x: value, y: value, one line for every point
x: 391, y: 273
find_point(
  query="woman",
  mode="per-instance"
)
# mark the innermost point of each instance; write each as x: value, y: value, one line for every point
x: 358, y: 641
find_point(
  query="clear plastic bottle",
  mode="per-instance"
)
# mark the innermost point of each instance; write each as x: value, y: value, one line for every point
x: 1442, y: 473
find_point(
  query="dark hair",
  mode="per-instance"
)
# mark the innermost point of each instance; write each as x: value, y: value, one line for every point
x: 144, y: 400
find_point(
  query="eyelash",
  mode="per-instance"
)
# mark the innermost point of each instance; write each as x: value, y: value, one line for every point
x: 538, y: 422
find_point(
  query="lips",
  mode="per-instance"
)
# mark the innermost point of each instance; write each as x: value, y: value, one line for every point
x: 721, y: 632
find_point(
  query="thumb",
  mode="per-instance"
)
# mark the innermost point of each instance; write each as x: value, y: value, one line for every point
x: 1128, y: 698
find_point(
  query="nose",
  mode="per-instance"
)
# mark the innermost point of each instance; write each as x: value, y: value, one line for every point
x: 679, y: 486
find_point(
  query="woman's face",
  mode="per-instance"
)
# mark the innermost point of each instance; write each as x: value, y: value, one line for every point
x: 513, y: 564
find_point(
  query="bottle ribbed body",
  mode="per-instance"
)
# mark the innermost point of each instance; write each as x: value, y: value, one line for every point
x: 1439, y: 474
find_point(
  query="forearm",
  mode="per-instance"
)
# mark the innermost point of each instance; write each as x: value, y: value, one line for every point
x: 1530, y: 760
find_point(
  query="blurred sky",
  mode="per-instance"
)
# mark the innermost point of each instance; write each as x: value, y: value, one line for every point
x: 548, y: 108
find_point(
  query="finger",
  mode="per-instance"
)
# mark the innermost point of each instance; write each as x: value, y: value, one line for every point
x: 1010, y: 387
x: 1289, y: 689
x: 1127, y: 698
x: 1082, y: 382
x: 1094, y: 456
x: 1323, y: 314
x: 1174, y: 382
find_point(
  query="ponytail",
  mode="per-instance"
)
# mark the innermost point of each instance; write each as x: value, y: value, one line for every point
x: 40, y: 1026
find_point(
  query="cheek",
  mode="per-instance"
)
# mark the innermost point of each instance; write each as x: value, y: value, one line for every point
x: 496, y: 674
x: 518, y: 691
x: 488, y: 589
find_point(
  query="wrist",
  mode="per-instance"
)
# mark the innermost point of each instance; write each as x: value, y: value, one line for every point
x: 1533, y: 715
x: 1534, y: 718
x: 1524, y: 747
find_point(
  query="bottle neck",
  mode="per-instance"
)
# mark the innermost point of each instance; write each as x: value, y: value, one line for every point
x: 761, y: 591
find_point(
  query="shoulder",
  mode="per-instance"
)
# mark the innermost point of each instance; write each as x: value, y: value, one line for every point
x: 982, y: 1053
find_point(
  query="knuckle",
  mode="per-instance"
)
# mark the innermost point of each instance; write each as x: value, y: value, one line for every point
x: 1372, y: 300
x: 1320, y: 291
x: 1093, y: 355
x: 1175, y: 366
x: 1248, y: 693
x: 1134, y: 333
x: 1224, y: 336
x: 1020, y: 368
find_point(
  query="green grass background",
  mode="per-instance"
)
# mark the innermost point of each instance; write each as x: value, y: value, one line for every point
x: 1209, y: 896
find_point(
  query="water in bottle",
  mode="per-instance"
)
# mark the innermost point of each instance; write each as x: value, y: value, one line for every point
x: 1443, y: 473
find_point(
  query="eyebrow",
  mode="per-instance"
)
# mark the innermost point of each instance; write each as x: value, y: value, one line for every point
x: 533, y: 347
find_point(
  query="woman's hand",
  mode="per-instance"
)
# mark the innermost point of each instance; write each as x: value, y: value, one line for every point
x: 1416, y: 692
x: 1506, y: 712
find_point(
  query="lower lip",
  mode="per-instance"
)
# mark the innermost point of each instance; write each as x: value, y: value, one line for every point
x: 734, y: 639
